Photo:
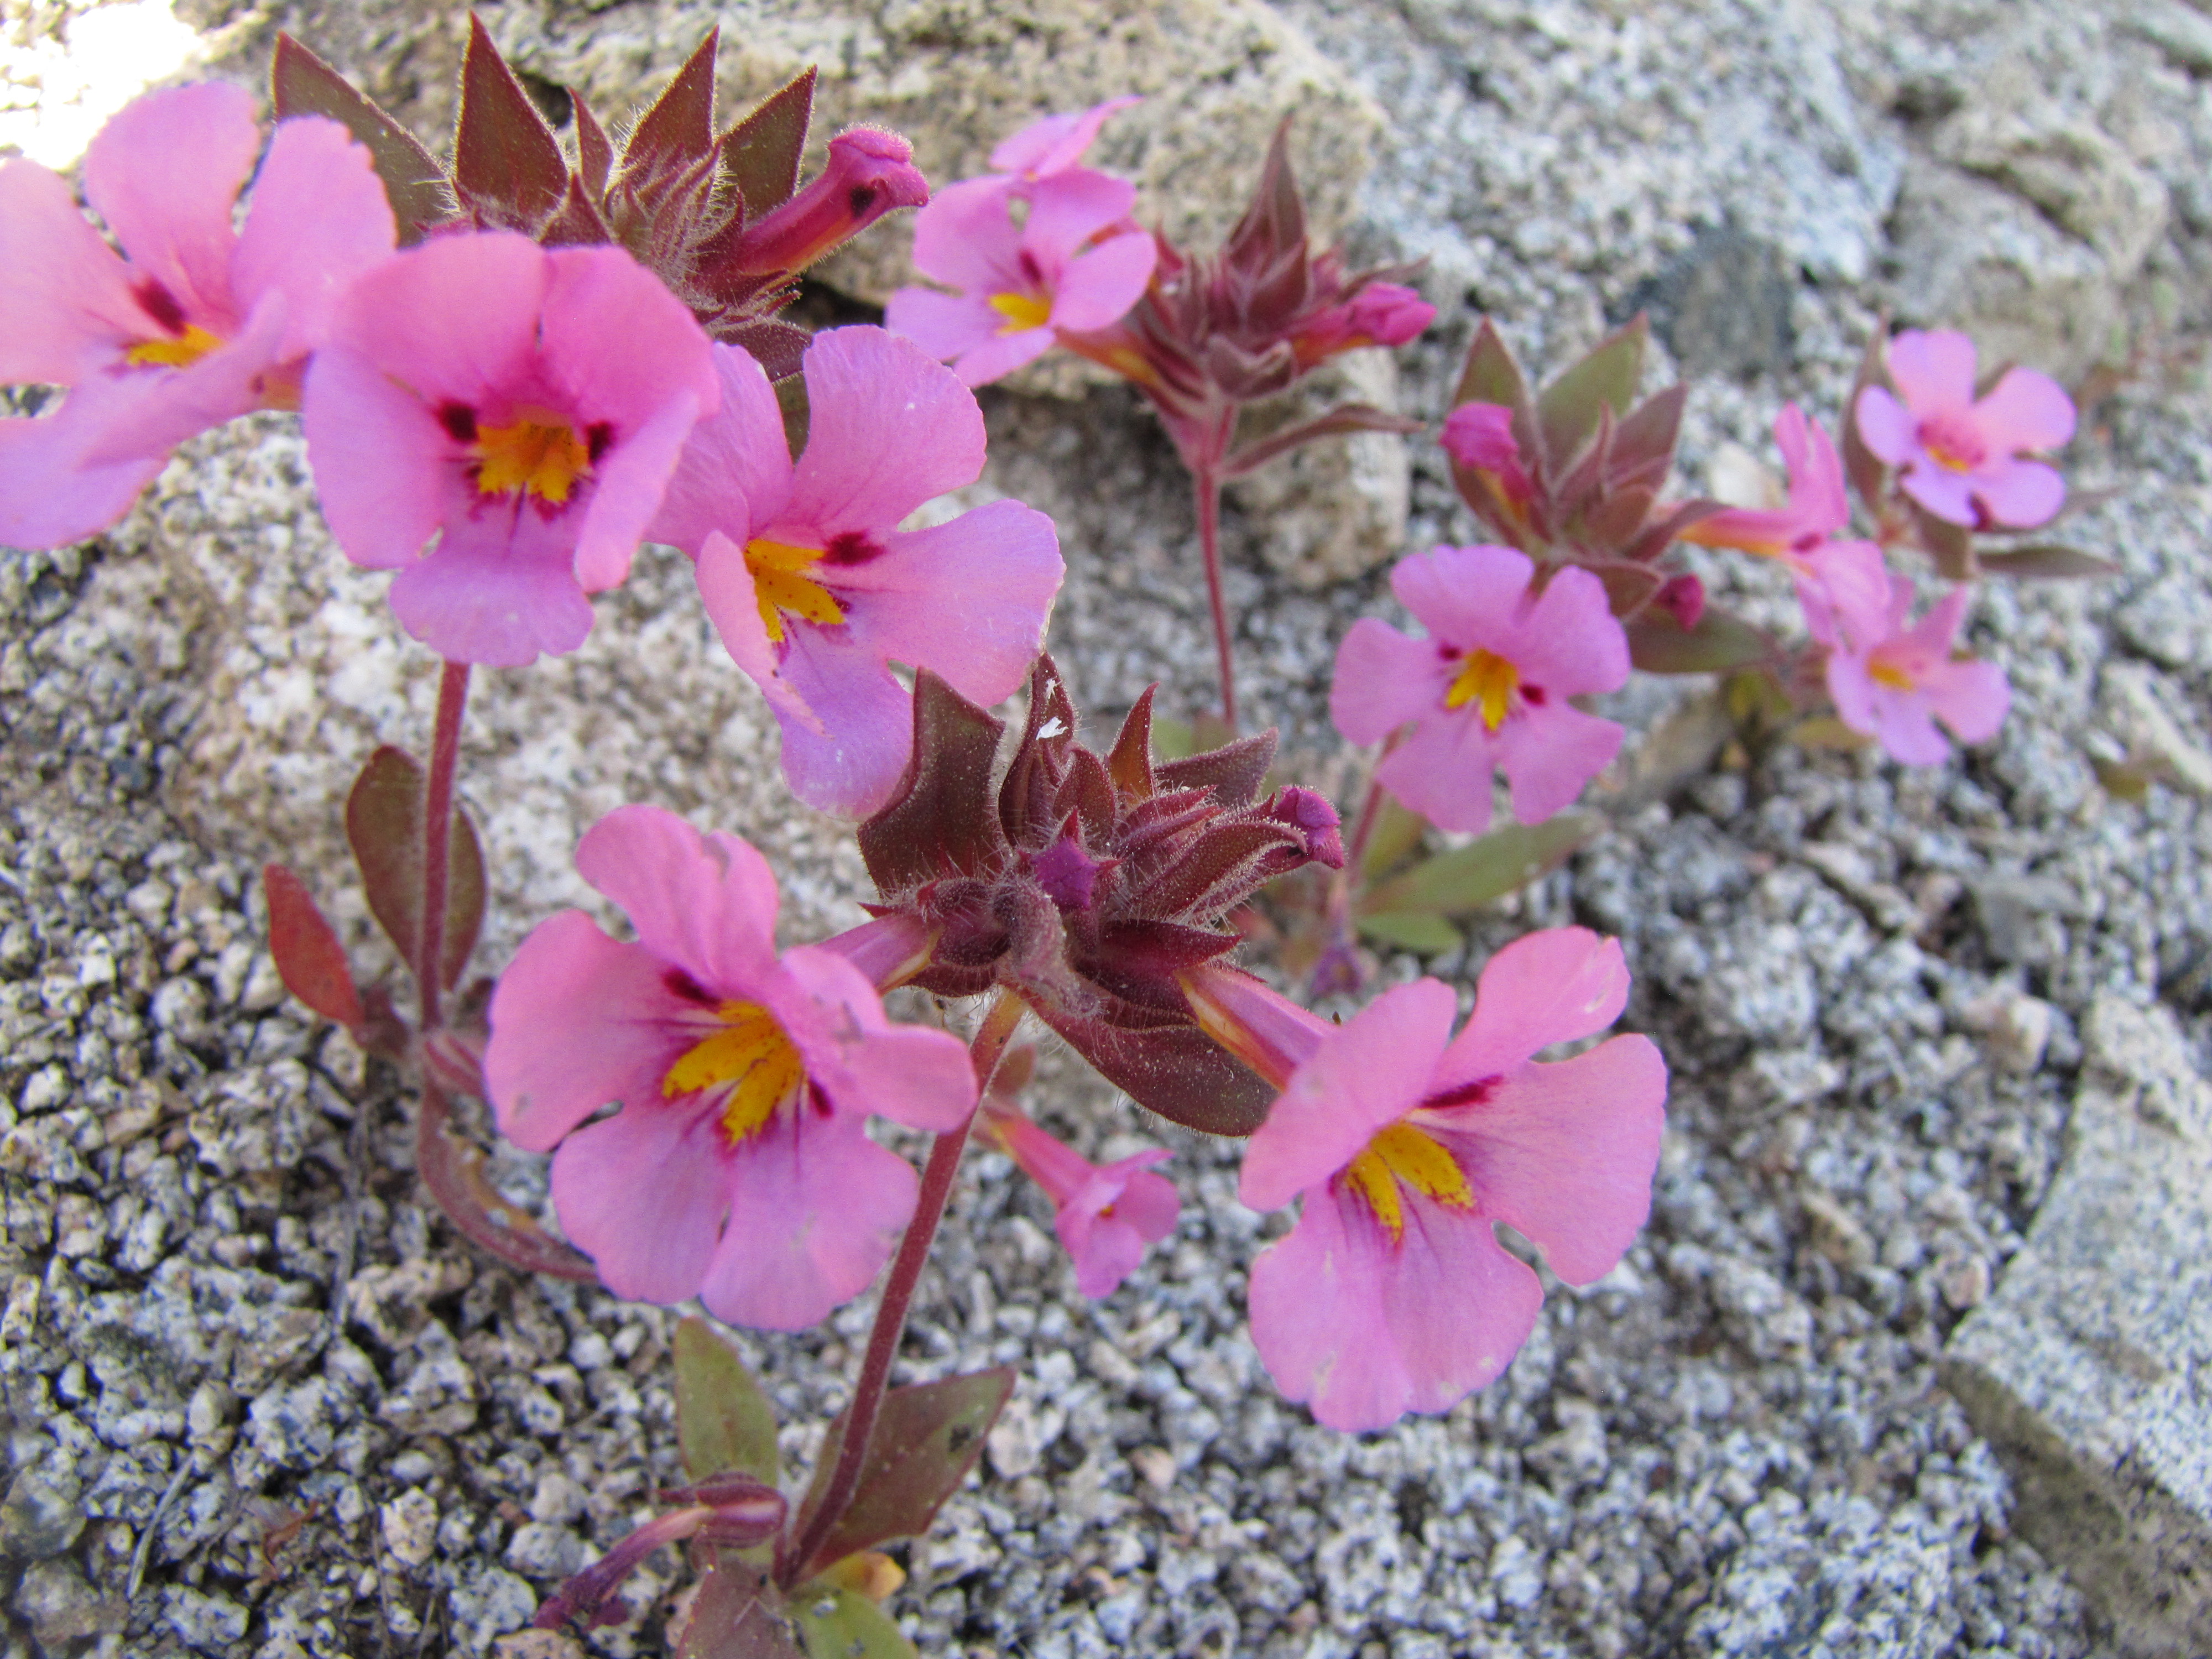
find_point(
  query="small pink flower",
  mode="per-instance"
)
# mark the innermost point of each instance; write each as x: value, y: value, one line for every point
x: 1817, y: 506
x: 1408, y: 1145
x: 1960, y: 455
x: 1104, y: 1213
x: 1380, y: 313
x: 739, y: 1169
x: 1074, y: 263
x: 813, y: 586
x: 526, y: 405
x: 1488, y: 690
x: 1055, y: 143
x: 197, y: 323
x: 1893, y: 682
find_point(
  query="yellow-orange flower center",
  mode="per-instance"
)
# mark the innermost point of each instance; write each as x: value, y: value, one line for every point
x: 782, y: 585
x: 748, y: 1055
x: 1403, y: 1156
x: 1890, y: 675
x: 179, y: 351
x: 538, y: 454
x: 1487, y: 678
x: 1021, y: 310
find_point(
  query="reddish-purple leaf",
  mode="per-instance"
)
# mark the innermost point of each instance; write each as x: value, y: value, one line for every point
x: 1234, y: 772
x: 454, y: 1171
x: 1658, y: 537
x: 1658, y: 644
x: 508, y: 165
x: 760, y: 155
x: 927, y: 1436
x: 1628, y: 587
x: 301, y: 83
x: 778, y: 348
x: 1345, y: 417
x: 679, y: 129
x: 738, y: 1614
x: 1176, y: 1071
x: 1492, y: 376
x: 384, y: 823
x: 595, y: 151
x: 1615, y: 522
x: 1950, y: 545
x: 1567, y: 410
x: 309, y: 958
x: 1130, y: 762
x: 1868, y: 476
x: 940, y: 823
x: 578, y: 223
x: 1644, y: 447
x: 2045, y: 562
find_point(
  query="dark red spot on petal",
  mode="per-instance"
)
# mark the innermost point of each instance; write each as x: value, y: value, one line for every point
x: 862, y: 199
x: 851, y: 547
x: 161, y: 305
x: 685, y: 986
x: 1532, y: 696
x: 599, y: 438
x: 460, y: 421
x: 1467, y: 1094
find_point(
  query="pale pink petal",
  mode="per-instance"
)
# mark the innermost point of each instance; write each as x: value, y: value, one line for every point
x: 367, y: 439
x: 644, y: 1195
x: 1107, y: 1230
x: 1934, y: 631
x: 1850, y: 587
x: 968, y: 599
x: 455, y: 317
x: 164, y: 173
x: 2025, y: 409
x: 1817, y: 497
x: 625, y: 492
x: 1566, y: 1152
x: 1100, y: 284
x: 1055, y: 141
x: 1934, y: 371
x: 966, y: 238
x: 705, y: 903
x: 1555, y: 986
x: 319, y: 218
x: 1068, y: 209
x: 617, y: 344
x: 51, y: 495
x: 1370, y: 1072
x: 1750, y: 529
x: 1569, y: 642
x: 2020, y: 494
x: 1002, y: 354
x: 911, y: 1074
x: 736, y: 466
x: 1465, y: 596
x: 848, y: 723
x: 1971, y: 698
x: 1850, y: 687
x: 1443, y: 770
x: 732, y: 603
x: 1886, y: 427
x: 578, y: 1022
x: 889, y: 429
x: 1906, y: 727
x: 1549, y: 753
x: 1946, y: 493
x: 1382, y: 680
x: 497, y: 589
x: 943, y: 324
x: 816, y: 1209
x: 65, y: 300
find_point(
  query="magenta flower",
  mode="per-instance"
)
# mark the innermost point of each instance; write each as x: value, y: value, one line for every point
x: 1053, y: 144
x: 1488, y: 688
x: 739, y: 1169
x: 812, y: 585
x: 1380, y: 313
x: 1893, y: 682
x: 196, y: 323
x: 1960, y: 454
x: 1817, y: 509
x: 1104, y: 1213
x: 1074, y: 264
x: 1392, y: 1294
x: 523, y: 404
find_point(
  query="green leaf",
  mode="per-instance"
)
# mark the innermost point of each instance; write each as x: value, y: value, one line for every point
x: 1567, y: 412
x: 760, y: 155
x: 1420, y: 931
x: 2045, y: 562
x: 723, y: 1420
x: 837, y: 1622
x: 301, y: 83
x: 1398, y: 830
x: 1453, y: 884
x: 384, y: 823
x: 1172, y: 739
x: 508, y: 165
x: 1492, y: 375
x: 927, y: 1436
x: 1658, y: 644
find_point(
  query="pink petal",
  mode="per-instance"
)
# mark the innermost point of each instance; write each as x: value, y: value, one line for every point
x: 2020, y: 494
x: 173, y: 405
x: 732, y: 603
x: 65, y: 300
x: 164, y: 173
x: 1365, y: 1333
x: 626, y: 491
x: 1556, y: 986
x: 1048, y: 145
x: 1886, y: 428
x: 319, y: 218
x: 705, y: 903
x: 455, y: 317
x: 943, y: 324
x: 1566, y: 1152
x: 1934, y: 372
x: 966, y: 237
x: 1750, y: 529
x: 1817, y: 497
x: 1382, y: 680
x: 498, y: 590
x: 968, y: 599
x: 866, y: 1064
x: 736, y: 466
x: 1548, y: 753
x: 1100, y: 284
x: 1971, y: 698
x: 816, y: 1209
x: 644, y: 1195
x: 1068, y: 209
x: 1946, y: 493
x: 617, y: 344
x: 1002, y: 354
x: 888, y: 429
x: 1108, y: 1249
x: 848, y: 723
x: 1465, y: 596
x: 1850, y: 687
x: 1567, y: 642
x: 372, y: 445
x: 50, y: 495
x: 1906, y: 727
x: 2025, y: 409
x: 1851, y: 588
x: 1369, y: 1072
x: 578, y: 1023
x: 1443, y: 771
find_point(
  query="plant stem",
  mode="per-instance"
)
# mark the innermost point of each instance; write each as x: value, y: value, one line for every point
x: 1206, y: 481
x: 438, y: 838
x: 987, y: 1049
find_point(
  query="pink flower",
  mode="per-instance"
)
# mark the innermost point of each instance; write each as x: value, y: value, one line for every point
x: 1893, y: 682
x: 526, y: 405
x: 1055, y: 143
x: 1380, y: 313
x: 738, y: 1170
x: 1392, y: 1294
x: 1074, y: 263
x: 1818, y: 506
x: 1105, y: 1214
x: 197, y: 323
x: 1959, y: 453
x: 812, y: 585
x: 1488, y: 690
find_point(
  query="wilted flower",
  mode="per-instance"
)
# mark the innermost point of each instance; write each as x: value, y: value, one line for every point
x: 1960, y: 455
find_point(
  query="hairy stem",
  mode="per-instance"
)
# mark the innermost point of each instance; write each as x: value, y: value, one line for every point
x: 989, y: 1047
x: 438, y: 839
x: 1206, y: 481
